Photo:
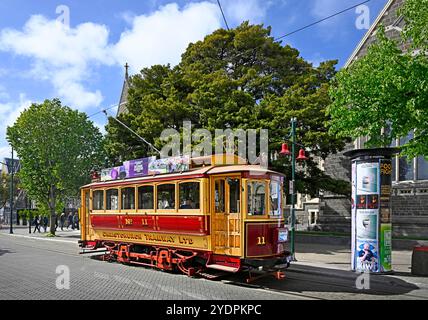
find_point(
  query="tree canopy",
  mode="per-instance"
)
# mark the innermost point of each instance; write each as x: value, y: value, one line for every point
x: 57, y: 147
x: 384, y: 95
x: 239, y: 79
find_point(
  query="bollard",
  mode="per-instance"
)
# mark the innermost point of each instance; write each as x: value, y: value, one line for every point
x: 420, y: 261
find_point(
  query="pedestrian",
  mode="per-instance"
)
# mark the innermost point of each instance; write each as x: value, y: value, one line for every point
x: 36, y: 223
x: 70, y: 221
x: 62, y: 220
x: 76, y: 221
x: 45, y: 223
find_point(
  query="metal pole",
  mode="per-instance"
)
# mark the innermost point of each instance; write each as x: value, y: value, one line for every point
x: 293, y: 179
x: 11, y: 196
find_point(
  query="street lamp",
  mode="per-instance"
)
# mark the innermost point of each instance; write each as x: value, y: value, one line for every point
x: 301, y: 157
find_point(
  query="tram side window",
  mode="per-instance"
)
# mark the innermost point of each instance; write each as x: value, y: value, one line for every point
x: 256, y: 192
x: 219, y: 196
x: 234, y: 195
x: 146, y: 197
x: 166, y: 196
x: 128, y: 198
x: 112, y: 199
x: 275, y: 198
x: 98, y: 200
x: 189, y: 195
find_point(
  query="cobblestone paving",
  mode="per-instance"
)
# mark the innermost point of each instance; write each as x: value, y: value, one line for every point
x: 28, y: 271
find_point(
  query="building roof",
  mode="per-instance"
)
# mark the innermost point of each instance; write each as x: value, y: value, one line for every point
x: 390, y: 8
x: 124, y: 95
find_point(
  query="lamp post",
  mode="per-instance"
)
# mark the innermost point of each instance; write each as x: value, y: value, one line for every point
x: 11, y: 195
x: 301, y: 157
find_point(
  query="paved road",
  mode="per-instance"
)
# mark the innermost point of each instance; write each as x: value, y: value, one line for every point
x: 28, y: 271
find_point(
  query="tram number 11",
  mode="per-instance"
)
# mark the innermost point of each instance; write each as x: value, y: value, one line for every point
x: 261, y: 241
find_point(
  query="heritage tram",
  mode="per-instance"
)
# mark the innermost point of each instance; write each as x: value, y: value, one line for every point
x: 199, y: 218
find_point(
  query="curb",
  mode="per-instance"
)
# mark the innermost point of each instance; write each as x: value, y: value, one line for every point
x: 39, y: 238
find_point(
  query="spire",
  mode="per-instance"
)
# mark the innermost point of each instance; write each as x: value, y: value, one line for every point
x: 126, y: 71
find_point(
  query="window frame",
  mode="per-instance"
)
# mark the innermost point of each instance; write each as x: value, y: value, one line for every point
x: 280, y: 197
x: 173, y: 211
x: 91, y: 208
x: 145, y: 211
x: 118, y: 200
x: 186, y: 211
x: 267, y: 200
x: 121, y: 210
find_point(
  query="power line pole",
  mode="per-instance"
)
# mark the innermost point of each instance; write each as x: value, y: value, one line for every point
x: 11, y: 195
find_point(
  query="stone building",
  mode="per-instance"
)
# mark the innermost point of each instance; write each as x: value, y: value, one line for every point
x: 410, y: 180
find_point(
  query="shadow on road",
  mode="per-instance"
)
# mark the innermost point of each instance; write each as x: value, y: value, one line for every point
x: 307, y: 279
x: 5, y: 251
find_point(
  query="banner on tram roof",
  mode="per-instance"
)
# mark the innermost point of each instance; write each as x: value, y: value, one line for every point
x: 146, y: 166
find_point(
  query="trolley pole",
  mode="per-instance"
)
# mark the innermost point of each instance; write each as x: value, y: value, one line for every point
x: 292, y: 189
x: 11, y: 195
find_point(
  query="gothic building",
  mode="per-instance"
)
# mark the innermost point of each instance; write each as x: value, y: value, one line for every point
x: 410, y: 179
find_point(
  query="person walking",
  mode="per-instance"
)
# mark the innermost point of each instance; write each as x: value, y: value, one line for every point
x: 45, y: 223
x: 62, y: 220
x: 70, y: 221
x: 36, y: 223
x: 76, y: 221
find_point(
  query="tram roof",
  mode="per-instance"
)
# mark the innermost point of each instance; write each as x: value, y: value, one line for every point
x: 192, y: 173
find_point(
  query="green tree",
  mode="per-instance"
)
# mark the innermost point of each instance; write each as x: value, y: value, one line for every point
x: 237, y: 79
x: 5, y: 180
x: 57, y: 147
x: 387, y: 89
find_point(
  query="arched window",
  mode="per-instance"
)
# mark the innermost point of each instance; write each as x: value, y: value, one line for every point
x: 98, y: 200
x: 128, y: 198
x: 112, y: 199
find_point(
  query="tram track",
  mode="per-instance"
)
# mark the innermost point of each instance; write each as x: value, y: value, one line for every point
x: 291, y: 275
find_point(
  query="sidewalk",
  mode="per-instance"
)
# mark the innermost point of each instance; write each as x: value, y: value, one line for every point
x: 22, y: 231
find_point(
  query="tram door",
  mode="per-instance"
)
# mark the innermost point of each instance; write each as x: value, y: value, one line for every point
x: 84, y: 214
x: 226, y: 215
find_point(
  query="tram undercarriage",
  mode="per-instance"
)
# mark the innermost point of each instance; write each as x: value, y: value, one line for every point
x: 189, y: 262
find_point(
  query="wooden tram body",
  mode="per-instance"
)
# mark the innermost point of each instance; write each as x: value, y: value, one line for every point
x: 234, y: 223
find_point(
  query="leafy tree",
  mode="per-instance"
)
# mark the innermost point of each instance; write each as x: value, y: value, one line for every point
x: 237, y: 79
x: 57, y: 147
x: 387, y: 89
x: 5, y: 180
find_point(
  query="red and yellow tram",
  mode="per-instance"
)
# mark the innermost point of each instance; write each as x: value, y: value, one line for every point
x: 220, y: 216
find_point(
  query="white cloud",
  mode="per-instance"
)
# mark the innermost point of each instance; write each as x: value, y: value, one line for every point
x: 61, y: 55
x: 237, y: 11
x: 9, y: 112
x: 68, y: 57
x: 162, y: 36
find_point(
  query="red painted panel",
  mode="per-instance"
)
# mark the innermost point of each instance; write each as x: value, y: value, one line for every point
x: 166, y: 224
x: 182, y: 224
x: 260, y: 239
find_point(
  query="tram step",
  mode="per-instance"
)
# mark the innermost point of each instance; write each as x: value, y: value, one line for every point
x: 209, y: 274
x: 223, y: 268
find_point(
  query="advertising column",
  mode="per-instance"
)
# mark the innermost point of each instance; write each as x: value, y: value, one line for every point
x: 371, y: 210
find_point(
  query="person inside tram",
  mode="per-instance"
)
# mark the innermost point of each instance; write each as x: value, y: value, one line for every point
x: 187, y: 204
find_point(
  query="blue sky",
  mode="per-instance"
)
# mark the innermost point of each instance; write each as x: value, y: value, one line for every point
x: 42, y: 56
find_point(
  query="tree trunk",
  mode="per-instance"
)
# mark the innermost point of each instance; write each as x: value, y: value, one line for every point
x: 52, y: 207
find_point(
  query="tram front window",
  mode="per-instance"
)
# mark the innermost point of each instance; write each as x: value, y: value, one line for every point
x: 256, y: 192
x: 275, y: 198
x: 166, y: 196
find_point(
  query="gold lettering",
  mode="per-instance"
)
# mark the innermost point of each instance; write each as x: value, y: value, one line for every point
x: 261, y: 241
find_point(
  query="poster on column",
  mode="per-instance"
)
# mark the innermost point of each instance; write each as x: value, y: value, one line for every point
x: 367, y: 255
x: 386, y: 247
x: 367, y: 178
